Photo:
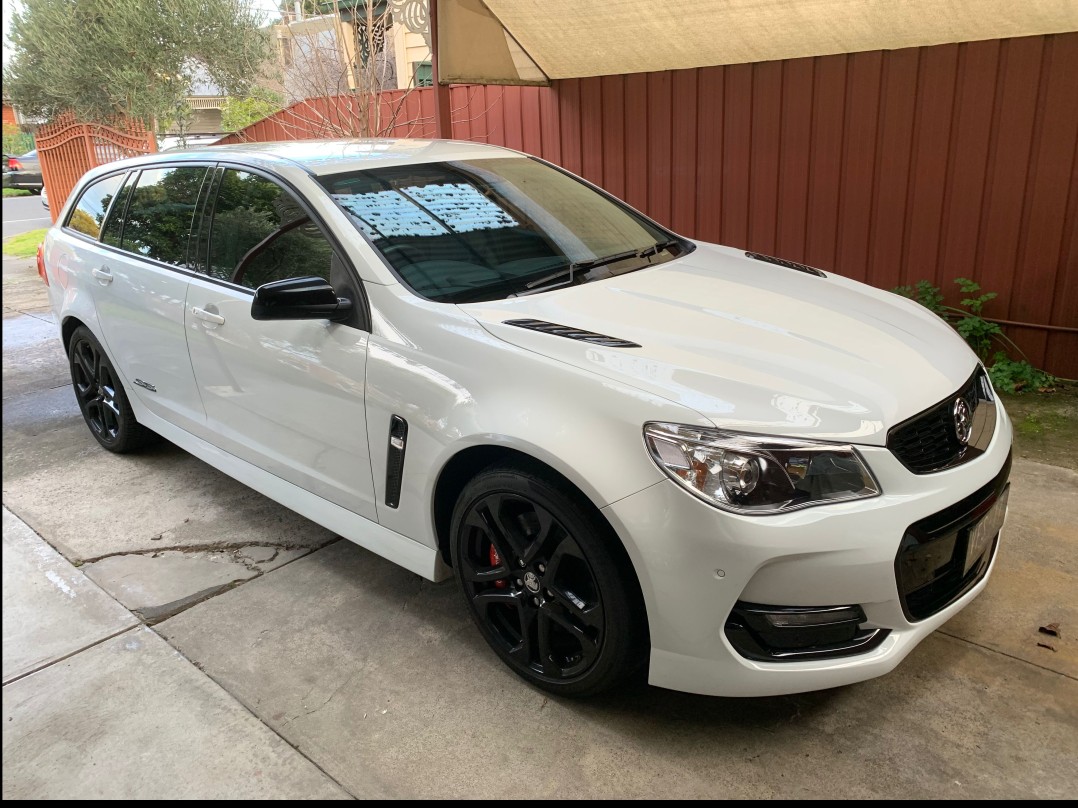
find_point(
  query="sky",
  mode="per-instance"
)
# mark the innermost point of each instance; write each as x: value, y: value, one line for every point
x: 267, y: 6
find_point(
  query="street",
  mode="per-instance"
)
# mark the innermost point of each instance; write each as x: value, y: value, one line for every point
x: 24, y: 213
x: 169, y: 633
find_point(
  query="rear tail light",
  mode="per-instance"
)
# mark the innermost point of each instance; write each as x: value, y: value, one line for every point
x: 13, y: 164
x: 41, y: 264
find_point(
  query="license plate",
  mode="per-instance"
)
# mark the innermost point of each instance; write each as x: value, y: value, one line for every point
x: 982, y: 533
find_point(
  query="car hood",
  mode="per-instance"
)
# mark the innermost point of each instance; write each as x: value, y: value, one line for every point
x: 752, y: 346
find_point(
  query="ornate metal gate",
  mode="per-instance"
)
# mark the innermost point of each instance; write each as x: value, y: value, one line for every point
x: 68, y: 149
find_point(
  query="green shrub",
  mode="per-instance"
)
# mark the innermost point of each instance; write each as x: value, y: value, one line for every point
x: 1018, y: 376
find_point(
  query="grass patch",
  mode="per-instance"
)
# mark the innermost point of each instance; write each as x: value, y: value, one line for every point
x: 15, y: 192
x: 1046, y: 425
x: 24, y: 245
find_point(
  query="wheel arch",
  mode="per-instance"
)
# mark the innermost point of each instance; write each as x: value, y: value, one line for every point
x: 463, y: 466
x: 67, y: 329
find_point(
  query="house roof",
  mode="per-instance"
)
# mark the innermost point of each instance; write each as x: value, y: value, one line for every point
x: 570, y: 39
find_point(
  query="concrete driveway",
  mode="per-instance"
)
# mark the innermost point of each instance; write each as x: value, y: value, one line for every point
x: 170, y: 633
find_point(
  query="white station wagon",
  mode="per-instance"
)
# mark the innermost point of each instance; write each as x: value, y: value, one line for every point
x: 630, y: 448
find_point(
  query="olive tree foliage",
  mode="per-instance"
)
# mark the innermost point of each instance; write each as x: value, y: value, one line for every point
x: 108, y: 59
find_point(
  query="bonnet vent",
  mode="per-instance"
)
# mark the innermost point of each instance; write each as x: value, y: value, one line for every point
x: 782, y: 262
x: 572, y: 333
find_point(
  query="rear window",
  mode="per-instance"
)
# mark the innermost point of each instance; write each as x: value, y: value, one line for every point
x: 160, y: 213
x: 89, y: 213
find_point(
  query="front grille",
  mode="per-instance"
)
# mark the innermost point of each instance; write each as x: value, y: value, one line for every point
x: 930, y: 567
x: 929, y: 442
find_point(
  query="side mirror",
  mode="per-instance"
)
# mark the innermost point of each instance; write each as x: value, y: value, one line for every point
x: 299, y: 299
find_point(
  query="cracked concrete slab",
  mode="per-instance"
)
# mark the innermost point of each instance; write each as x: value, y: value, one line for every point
x: 382, y: 679
x: 158, y: 585
x: 50, y: 608
x: 132, y: 719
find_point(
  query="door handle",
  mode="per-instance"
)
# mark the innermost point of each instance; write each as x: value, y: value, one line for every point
x: 208, y: 316
x: 104, y: 274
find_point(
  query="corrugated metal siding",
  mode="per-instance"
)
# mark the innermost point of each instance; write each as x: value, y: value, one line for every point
x: 887, y: 166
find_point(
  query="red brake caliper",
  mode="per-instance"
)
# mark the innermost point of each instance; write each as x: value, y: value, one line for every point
x: 496, y: 561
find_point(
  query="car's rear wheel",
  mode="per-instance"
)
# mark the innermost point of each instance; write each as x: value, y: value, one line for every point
x: 542, y: 579
x: 102, y: 398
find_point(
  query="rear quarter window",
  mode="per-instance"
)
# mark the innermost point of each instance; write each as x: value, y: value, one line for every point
x: 88, y: 215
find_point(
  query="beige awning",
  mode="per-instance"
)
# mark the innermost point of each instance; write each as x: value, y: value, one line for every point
x: 515, y: 42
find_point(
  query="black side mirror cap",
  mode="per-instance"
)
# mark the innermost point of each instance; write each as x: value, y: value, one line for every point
x: 299, y: 299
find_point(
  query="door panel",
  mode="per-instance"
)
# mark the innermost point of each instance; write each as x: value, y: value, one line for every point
x: 286, y: 396
x: 141, y: 312
x: 140, y: 301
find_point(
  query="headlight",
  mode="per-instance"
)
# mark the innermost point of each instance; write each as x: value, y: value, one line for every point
x: 758, y: 474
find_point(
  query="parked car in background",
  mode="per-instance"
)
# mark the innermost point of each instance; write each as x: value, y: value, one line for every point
x: 44, y: 198
x: 24, y: 172
x: 629, y: 447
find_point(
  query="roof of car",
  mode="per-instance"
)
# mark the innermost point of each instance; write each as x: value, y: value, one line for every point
x: 336, y: 156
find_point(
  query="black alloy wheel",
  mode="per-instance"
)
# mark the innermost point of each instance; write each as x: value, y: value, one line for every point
x: 544, y: 584
x: 102, y: 398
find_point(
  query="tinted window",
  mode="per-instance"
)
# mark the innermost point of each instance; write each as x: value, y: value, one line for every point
x: 89, y: 212
x: 114, y: 226
x: 486, y: 229
x: 159, y: 215
x: 250, y: 211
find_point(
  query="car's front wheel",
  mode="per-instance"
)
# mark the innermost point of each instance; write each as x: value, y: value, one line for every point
x: 102, y: 398
x: 544, y: 582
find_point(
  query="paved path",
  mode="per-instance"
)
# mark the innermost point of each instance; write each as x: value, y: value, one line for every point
x: 219, y: 645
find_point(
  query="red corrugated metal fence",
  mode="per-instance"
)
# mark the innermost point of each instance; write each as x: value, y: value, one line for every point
x: 888, y: 166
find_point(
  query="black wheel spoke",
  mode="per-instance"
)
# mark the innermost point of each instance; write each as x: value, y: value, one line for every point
x: 531, y: 586
x: 85, y: 367
x: 550, y: 532
x: 495, y: 597
x: 525, y: 650
x: 501, y: 534
x: 546, y: 646
x: 478, y: 575
x: 566, y: 548
x: 589, y: 615
x: 589, y: 646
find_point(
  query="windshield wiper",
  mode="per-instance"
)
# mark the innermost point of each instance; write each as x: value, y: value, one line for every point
x: 567, y: 274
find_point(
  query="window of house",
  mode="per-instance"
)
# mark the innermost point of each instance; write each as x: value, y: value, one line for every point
x: 260, y: 233
x: 285, y: 44
x: 89, y: 212
x: 160, y: 213
x: 424, y: 74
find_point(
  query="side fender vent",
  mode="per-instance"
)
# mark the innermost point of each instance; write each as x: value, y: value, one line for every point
x: 782, y: 262
x: 572, y: 333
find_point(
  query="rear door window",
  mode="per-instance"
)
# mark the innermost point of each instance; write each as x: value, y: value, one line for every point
x: 88, y: 215
x: 260, y: 233
x: 160, y: 213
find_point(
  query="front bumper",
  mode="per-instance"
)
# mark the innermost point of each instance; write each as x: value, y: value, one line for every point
x: 695, y: 563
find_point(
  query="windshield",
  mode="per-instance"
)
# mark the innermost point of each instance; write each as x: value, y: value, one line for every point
x: 488, y: 229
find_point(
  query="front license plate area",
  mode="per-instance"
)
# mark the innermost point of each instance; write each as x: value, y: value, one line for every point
x: 982, y: 534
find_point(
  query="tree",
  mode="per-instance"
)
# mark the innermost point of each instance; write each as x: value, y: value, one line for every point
x: 347, y: 56
x: 240, y: 112
x: 108, y: 59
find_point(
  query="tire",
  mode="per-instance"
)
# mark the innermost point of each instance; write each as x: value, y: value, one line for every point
x: 102, y: 398
x: 546, y: 582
